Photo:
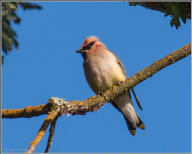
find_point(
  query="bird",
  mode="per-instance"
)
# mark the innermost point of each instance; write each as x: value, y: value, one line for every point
x: 103, y: 69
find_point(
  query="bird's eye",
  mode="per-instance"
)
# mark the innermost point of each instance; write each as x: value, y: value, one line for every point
x: 87, y: 47
x: 91, y: 44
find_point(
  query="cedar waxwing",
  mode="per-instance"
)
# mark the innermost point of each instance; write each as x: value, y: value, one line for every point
x: 103, y: 69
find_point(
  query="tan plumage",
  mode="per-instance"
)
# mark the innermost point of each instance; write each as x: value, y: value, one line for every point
x: 102, y: 70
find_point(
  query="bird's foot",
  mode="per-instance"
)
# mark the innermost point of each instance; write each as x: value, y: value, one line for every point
x: 101, y: 92
x: 119, y: 83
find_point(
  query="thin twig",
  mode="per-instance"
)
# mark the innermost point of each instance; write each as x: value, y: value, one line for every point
x: 51, y: 133
x: 42, y: 130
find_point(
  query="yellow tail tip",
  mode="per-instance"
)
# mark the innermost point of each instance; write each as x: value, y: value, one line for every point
x: 132, y: 132
x: 142, y: 126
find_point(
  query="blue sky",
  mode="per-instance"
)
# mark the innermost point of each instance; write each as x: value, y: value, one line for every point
x: 46, y: 65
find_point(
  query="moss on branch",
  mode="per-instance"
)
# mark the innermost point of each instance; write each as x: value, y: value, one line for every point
x: 95, y: 102
x: 58, y: 106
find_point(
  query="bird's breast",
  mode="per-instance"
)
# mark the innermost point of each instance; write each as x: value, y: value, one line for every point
x: 102, y: 72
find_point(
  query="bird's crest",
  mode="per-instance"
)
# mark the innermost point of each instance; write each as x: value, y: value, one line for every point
x: 90, y: 39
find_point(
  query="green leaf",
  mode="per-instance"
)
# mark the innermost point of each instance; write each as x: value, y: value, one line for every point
x: 12, y: 5
x: 27, y: 5
x: 9, y: 36
x: 184, y: 19
x: 172, y: 22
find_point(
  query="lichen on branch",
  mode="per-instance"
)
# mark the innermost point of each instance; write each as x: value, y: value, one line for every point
x: 95, y: 102
x: 58, y: 106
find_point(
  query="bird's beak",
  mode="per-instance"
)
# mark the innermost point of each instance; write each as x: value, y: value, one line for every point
x: 80, y: 51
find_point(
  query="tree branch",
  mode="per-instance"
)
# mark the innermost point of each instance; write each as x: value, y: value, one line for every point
x: 51, y: 133
x: 27, y: 112
x: 51, y: 116
x: 95, y: 102
x: 58, y: 106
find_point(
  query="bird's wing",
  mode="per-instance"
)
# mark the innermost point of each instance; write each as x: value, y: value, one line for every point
x: 137, y: 100
x: 123, y: 71
x: 120, y: 64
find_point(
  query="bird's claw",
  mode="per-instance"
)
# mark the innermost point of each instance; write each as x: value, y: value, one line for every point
x: 119, y: 83
x: 101, y: 92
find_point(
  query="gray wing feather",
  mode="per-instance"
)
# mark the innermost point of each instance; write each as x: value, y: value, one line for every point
x: 123, y: 71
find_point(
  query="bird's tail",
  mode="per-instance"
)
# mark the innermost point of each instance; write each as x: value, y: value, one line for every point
x: 124, y: 104
x: 132, y: 119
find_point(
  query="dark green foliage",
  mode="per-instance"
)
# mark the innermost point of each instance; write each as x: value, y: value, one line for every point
x: 9, y: 16
x: 180, y: 11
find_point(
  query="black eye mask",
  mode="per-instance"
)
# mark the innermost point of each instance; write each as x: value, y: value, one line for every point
x: 87, y: 47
